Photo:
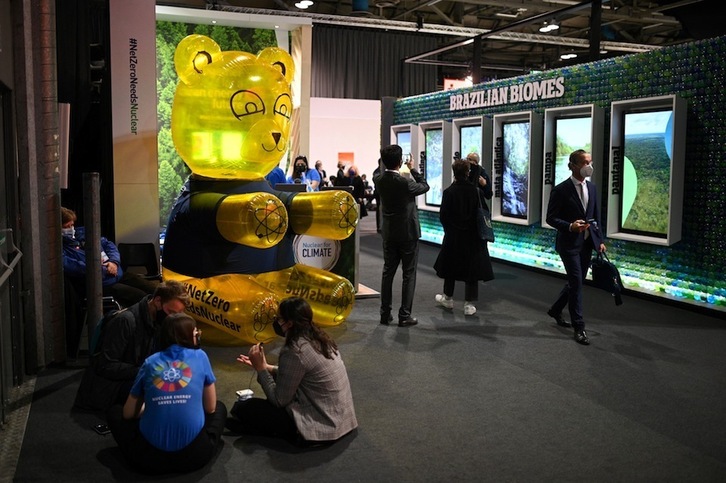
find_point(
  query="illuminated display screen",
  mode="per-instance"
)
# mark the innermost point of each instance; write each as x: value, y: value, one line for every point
x: 515, y: 168
x: 647, y: 155
x: 470, y: 140
x: 403, y: 139
x: 571, y: 134
x: 434, y: 165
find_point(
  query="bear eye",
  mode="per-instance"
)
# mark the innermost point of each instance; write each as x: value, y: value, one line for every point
x: 283, y: 106
x: 245, y: 103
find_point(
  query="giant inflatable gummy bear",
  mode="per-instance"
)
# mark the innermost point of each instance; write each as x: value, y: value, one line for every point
x: 230, y: 235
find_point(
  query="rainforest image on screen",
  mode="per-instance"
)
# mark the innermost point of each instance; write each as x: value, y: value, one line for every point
x: 571, y: 134
x: 434, y: 165
x: 470, y: 139
x: 647, y: 155
x: 515, y: 168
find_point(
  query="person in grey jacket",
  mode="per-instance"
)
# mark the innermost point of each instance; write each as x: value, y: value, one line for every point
x: 309, y: 400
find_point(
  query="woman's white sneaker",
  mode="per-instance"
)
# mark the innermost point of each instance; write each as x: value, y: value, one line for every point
x: 444, y: 301
x: 469, y: 309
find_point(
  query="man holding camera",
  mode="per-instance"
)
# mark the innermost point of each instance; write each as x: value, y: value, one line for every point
x: 400, y: 230
x: 480, y: 178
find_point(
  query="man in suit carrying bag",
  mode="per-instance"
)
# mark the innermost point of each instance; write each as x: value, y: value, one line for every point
x: 400, y: 230
x: 574, y: 211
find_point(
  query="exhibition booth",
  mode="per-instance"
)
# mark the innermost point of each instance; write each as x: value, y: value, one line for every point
x: 654, y: 125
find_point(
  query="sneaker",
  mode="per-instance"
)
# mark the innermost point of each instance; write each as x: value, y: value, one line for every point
x: 469, y: 309
x: 444, y: 301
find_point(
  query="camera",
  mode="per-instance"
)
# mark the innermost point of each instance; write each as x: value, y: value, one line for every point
x: 474, y: 173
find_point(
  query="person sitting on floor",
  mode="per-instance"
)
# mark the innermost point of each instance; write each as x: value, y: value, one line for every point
x: 309, y: 400
x: 171, y: 421
x: 126, y: 339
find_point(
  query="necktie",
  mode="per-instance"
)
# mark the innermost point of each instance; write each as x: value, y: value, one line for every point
x: 583, y: 194
x: 583, y: 199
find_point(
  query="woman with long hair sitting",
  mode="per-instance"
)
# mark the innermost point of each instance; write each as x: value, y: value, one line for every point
x: 309, y: 400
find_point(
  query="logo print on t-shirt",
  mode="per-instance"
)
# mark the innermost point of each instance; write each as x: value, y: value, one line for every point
x: 173, y: 376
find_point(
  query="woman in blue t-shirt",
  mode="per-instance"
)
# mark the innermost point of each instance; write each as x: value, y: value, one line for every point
x: 172, y: 421
x: 301, y: 173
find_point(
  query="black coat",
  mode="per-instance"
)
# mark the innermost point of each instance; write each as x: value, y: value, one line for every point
x: 463, y: 256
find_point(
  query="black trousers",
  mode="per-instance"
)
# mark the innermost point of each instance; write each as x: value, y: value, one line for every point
x: 576, y: 266
x: 258, y: 417
x: 148, y: 459
x: 471, y: 289
x: 406, y: 254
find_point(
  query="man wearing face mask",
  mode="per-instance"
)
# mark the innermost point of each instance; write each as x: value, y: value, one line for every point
x: 302, y: 174
x: 574, y: 211
x: 126, y: 340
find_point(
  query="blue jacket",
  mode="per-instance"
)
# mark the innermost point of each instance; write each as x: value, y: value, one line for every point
x: 74, y: 257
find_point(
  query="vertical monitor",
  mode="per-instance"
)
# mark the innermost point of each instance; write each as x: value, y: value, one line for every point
x: 571, y: 134
x: 515, y: 168
x: 645, y: 181
x: 403, y: 139
x: 470, y: 140
x: 433, y: 168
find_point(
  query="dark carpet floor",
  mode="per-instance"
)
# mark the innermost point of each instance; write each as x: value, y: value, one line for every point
x: 505, y: 395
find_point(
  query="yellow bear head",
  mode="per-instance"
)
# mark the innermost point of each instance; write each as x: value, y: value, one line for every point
x: 232, y: 111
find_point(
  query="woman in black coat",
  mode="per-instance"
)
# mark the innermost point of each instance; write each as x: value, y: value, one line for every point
x: 463, y: 256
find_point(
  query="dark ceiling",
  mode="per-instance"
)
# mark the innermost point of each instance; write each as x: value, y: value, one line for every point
x: 511, y: 41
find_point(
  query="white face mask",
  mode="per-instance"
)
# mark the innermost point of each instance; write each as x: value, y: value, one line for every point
x: 586, y: 171
x: 71, y: 232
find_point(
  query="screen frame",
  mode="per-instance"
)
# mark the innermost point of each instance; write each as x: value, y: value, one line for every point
x: 625, y: 114
x: 534, y: 176
x: 597, y: 150
x: 677, y: 148
x: 505, y: 165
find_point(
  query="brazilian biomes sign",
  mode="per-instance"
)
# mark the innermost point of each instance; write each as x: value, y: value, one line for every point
x: 512, y: 94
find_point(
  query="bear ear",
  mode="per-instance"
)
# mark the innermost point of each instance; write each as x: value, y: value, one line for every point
x: 280, y: 60
x: 192, y: 55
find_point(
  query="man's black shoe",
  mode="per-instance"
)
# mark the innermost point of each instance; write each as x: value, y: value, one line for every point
x: 408, y: 322
x: 558, y: 318
x: 386, y: 319
x: 581, y: 337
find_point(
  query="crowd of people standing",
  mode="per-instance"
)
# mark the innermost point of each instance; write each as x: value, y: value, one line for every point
x: 573, y: 210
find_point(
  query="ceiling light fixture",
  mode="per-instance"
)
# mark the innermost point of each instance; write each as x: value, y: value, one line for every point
x: 549, y: 27
x: 568, y: 56
x: 303, y: 4
x: 507, y: 15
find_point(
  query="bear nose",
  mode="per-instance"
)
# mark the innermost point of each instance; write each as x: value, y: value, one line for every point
x: 276, y: 136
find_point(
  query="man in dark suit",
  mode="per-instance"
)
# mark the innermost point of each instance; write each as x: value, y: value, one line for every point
x: 400, y: 231
x: 573, y: 210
